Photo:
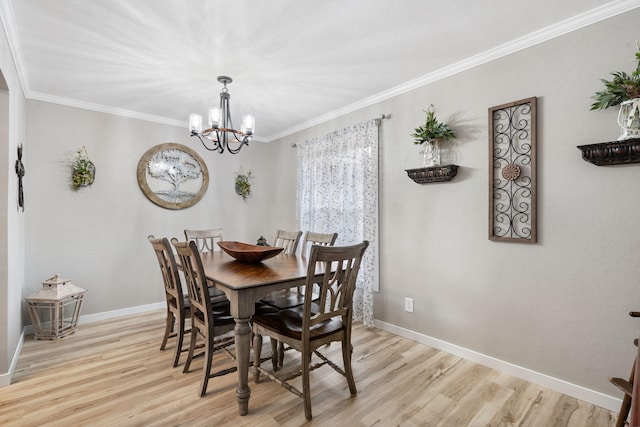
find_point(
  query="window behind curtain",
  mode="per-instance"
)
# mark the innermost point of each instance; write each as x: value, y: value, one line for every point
x: 338, y: 193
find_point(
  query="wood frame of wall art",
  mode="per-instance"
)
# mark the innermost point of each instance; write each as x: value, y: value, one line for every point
x: 173, y: 176
x: 512, y: 172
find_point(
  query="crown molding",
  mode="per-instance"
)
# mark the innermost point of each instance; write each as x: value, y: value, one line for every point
x: 563, y: 27
x: 38, y: 96
x: 8, y: 23
x: 574, y: 23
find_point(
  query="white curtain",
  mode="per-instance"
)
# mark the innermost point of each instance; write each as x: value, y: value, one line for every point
x: 338, y: 192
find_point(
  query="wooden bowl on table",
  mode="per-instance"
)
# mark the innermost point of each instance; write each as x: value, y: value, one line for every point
x: 246, y: 252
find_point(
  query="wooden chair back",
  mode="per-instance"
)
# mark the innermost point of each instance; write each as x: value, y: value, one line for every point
x: 191, y: 263
x: 206, y: 321
x: 334, y: 291
x: 177, y: 306
x: 169, y: 270
x: 310, y: 237
x: 205, y: 239
x: 288, y: 240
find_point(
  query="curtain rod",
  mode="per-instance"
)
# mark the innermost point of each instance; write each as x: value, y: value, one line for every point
x: 377, y: 119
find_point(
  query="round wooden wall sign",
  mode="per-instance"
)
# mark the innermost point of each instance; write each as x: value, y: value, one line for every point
x: 173, y: 176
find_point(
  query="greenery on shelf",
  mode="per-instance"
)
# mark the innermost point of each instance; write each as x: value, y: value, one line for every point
x: 432, y: 129
x: 621, y: 88
x: 84, y: 171
x: 243, y: 186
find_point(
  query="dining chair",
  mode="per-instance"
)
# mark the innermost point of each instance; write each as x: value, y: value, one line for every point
x: 288, y: 240
x: 205, y: 239
x: 288, y: 298
x: 626, y: 386
x: 327, y: 321
x: 310, y: 237
x: 206, y: 322
x: 206, y: 242
x: 291, y: 298
x: 178, y: 307
x: 284, y: 298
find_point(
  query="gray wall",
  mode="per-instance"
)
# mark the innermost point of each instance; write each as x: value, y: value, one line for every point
x: 558, y: 307
x: 12, y: 223
x: 97, y: 236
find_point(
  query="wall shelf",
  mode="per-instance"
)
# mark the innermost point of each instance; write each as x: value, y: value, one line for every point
x: 612, y: 153
x: 433, y: 174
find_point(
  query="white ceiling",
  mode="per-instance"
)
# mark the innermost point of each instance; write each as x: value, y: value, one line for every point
x: 295, y: 63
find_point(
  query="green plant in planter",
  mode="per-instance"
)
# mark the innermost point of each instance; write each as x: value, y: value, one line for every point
x: 622, y: 87
x: 84, y: 171
x: 430, y: 135
x: 243, y: 186
x: 432, y: 130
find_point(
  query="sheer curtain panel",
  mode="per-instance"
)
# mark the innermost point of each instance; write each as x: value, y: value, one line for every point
x: 338, y: 193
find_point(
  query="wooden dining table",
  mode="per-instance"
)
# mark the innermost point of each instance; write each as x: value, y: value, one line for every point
x: 244, y: 284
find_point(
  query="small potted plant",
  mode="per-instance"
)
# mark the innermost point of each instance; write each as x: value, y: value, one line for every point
x: 624, y: 90
x: 243, y: 186
x: 430, y: 135
x: 84, y: 171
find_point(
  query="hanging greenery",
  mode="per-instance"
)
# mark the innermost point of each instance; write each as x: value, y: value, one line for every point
x: 432, y: 129
x: 84, y: 171
x: 622, y: 87
x: 243, y: 186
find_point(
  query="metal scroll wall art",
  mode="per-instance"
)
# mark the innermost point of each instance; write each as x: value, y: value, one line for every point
x: 512, y: 172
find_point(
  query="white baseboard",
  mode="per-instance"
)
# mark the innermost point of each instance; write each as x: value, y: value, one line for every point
x: 5, y: 379
x: 582, y: 393
x: 121, y: 312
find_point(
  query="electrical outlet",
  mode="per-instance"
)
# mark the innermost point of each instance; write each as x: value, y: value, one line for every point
x: 408, y: 305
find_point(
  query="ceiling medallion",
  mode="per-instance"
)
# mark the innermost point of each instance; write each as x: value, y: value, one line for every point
x: 220, y: 125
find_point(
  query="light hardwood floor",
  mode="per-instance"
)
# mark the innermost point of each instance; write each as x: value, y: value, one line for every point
x: 112, y: 373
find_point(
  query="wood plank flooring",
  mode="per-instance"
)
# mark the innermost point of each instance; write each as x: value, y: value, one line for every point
x: 112, y: 373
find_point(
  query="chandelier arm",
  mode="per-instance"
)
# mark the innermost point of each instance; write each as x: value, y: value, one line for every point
x: 237, y: 150
x: 241, y: 142
x: 216, y: 146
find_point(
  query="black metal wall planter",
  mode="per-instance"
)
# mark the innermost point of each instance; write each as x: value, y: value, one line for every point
x: 427, y: 175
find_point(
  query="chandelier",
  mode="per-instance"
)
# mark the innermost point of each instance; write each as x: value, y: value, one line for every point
x: 220, y: 125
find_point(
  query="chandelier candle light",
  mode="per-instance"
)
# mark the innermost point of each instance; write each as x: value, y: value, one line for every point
x: 220, y: 125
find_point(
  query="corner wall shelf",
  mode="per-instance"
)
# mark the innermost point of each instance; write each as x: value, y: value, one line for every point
x: 433, y: 174
x: 612, y: 153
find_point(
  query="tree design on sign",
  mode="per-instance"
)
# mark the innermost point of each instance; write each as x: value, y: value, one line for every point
x: 175, y: 167
x: 172, y: 176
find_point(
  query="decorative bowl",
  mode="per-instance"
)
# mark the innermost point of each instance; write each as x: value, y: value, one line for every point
x: 249, y: 253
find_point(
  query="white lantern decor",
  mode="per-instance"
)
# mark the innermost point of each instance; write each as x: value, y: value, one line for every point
x: 55, y: 308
